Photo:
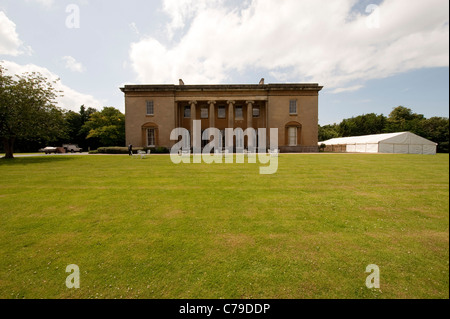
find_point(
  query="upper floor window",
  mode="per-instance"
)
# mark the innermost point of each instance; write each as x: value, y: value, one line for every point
x: 293, y: 107
x: 187, y: 112
x: 204, y: 113
x: 221, y: 112
x: 150, y: 108
x: 239, y: 115
x: 256, y: 112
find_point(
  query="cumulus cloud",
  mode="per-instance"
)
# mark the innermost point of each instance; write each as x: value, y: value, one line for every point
x: 293, y: 41
x: 72, y: 64
x: 10, y: 43
x: 72, y: 99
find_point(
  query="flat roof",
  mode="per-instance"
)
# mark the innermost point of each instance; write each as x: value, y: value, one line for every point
x: 222, y: 87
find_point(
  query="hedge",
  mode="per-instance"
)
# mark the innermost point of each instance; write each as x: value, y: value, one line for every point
x: 124, y: 150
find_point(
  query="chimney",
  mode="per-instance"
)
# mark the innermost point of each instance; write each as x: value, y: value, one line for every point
x: 261, y: 82
x: 181, y: 82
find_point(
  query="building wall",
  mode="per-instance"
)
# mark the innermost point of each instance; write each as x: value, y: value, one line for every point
x: 307, y: 117
x: 169, y: 105
x: 136, y: 117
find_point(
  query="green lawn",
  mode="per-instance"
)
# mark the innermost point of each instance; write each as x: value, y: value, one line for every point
x: 152, y: 229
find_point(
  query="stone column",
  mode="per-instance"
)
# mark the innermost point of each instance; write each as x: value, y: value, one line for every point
x: 250, y: 113
x: 212, y: 113
x: 231, y: 113
x: 193, y: 105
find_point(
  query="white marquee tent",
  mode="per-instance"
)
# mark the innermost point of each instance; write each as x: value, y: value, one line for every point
x: 401, y: 143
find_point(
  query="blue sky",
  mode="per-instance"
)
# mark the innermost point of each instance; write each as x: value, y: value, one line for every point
x: 370, y: 56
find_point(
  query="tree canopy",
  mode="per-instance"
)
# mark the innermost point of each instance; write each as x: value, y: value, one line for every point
x: 28, y: 110
x: 108, y: 126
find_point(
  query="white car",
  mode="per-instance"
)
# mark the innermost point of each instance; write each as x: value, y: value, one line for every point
x: 48, y: 150
x: 72, y: 148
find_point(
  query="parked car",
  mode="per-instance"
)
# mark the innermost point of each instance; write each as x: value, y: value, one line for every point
x: 72, y: 148
x: 49, y: 149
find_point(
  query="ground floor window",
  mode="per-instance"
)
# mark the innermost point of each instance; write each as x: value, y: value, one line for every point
x: 151, y: 137
x: 292, y: 135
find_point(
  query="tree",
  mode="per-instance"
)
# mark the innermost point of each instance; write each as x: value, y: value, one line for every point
x: 402, y: 119
x: 74, y: 123
x: 366, y: 124
x: 436, y: 129
x: 327, y: 132
x: 27, y: 110
x: 108, y: 126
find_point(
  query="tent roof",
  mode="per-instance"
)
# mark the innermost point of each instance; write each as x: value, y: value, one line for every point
x: 390, y: 138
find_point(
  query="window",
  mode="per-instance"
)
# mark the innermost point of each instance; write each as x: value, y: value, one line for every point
x: 292, y: 132
x: 187, y: 112
x: 256, y: 112
x: 221, y: 112
x: 151, y: 137
x: 293, y: 107
x: 239, y: 115
x: 150, y: 108
x: 204, y: 113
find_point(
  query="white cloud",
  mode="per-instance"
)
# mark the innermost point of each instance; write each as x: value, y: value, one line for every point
x: 134, y: 28
x: 72, y: 100
x: 182, y: 11
x: 72, y: 64
x: 45, y: 3
x: 296, y: 41
x: 348, y: 89
x: 10, y: 43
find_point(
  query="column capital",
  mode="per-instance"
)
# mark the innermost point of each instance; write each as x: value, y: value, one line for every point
x: 212, y: 102
x: 231, y: 102
x: 192, y: 102
x: 250, y: 102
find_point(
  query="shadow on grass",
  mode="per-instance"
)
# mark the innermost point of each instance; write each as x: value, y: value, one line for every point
x: 34, y: 160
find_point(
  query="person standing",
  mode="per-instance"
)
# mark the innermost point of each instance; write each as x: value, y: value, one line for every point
x: 130, y: 150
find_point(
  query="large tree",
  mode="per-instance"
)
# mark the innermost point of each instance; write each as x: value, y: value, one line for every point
x: 27, y: 109
x: 107, y: 126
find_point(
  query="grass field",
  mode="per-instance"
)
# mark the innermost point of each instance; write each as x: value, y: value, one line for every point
x: 151, y: 229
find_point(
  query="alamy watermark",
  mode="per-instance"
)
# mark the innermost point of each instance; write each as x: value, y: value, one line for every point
x: 373, y: 19
x: 73, y: 19
x: 73, y: 280
x: 215, y: 152
x: 373, y: 280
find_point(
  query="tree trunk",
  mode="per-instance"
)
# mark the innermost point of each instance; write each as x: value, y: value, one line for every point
x: 8, y: 143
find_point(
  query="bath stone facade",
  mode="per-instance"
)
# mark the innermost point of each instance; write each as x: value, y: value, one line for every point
x: 153, y: 111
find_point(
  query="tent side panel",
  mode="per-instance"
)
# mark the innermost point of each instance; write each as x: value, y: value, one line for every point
x: 386, y: 148
x: 401, y: 148
x: 351, y: 148
x: 372, y: 148
x: 415, y: 149
x: 360, y: 148
x: 429, y: 149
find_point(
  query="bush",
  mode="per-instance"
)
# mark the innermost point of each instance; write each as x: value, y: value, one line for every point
x: 116, y: 150
x: 93, y: 152
x: 157, y: 150
x: 124, y: 150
